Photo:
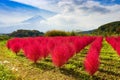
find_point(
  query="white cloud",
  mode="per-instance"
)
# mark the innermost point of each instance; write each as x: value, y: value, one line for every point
x: 13, y: 18
x: 73, y: 15
x: 14, y: 15
x: 8, y: 19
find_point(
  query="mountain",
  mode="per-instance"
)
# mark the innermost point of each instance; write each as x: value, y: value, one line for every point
x: 29, y: 24
x: 86, y: 32
x: 34, y: 19
x: 14, y: 27
x: 111, y: 28
x: 18, y: 10
x: 108, y: 29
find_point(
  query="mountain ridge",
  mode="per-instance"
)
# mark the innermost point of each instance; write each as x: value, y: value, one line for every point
x: 109, y: 28
x: 34, y: 19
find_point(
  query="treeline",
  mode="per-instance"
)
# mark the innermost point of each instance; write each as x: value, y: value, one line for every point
x: 109, y: 29
x: 26, y: 33
x: 60, y: 33
x: 4, y: 37
x: 34, y: 33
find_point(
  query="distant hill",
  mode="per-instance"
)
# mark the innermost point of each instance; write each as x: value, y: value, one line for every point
x: 26, y: 33
x: 86, y: 32
x: 108, y: 29
x: 112, y: 28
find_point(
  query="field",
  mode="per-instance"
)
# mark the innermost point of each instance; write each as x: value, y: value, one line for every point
x: 17, y: 67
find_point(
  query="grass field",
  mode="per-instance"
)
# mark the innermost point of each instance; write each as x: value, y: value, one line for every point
x: 17, y: 67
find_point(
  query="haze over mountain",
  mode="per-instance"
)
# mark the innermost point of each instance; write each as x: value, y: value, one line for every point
x: 67, y: 15
x: 34, y: 19
x: 16, y: 9
x: 20, y: 16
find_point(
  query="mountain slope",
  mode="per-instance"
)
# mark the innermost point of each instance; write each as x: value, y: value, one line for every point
x: 14, y: 27
x: 34, y: 19
x: 109, y: 28
x: 11, y: 11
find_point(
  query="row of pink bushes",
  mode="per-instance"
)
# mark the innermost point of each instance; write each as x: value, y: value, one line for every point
x: 40, y: 47
x: 115, y: 43
x: 61, y: 49
x: 92, y: 62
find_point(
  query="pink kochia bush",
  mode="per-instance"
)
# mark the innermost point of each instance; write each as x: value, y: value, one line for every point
x: 115, y: 43
x: 62, y: 53
x: 33, y: 52
x: 14, y: 44
x: 66, y: 48
x: 35, y: 49
x: 61, y: 49
x: 81, y: 42
x: 91, y: 62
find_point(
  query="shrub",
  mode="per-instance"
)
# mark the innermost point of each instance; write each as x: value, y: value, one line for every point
x: 56, y: 33
x: 92, y: 62
x: 4, y: 37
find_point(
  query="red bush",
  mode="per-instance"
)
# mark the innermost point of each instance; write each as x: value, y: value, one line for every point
x: 115, y: 43
x: 32, y: 52
x: 61, y: 54
x: 14, y: 44
x: 91, y: 62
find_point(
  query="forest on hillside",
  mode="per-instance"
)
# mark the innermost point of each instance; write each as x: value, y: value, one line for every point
x: 108, y: 29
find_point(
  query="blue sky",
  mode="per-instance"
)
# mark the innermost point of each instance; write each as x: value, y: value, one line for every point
x: 59, y: 14
x: 109, y: 2
x: 12, y: 4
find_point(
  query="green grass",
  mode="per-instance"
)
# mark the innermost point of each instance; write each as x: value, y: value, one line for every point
x: 6, y: 74
x: 23, y: 69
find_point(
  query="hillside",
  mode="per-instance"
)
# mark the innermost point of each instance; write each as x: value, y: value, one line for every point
x: 108, y: 29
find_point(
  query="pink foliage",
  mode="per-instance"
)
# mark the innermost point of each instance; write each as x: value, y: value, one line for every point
x: 91, y: 62
x: 61, y: 49
x: 61, y: 54
x: 14, y: 44
x: 115, y: 43
x: 32, y: 52
x: 81, y: 42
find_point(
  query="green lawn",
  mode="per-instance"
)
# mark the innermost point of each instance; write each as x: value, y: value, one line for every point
x: 17, y: 67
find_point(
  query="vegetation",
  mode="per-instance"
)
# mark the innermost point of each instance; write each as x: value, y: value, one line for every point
x: 23, y: 69
x: 112, y: 28
x: 72, y: 33
x: 56, y: 33
x: 60, y: 33
x: 4, y: 37
x: 34, y: 33
x: 6, y: 74
x: 26, y: 33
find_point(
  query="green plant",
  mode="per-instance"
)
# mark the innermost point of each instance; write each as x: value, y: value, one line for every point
x: 6, y: 74
x: 56, y: 33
